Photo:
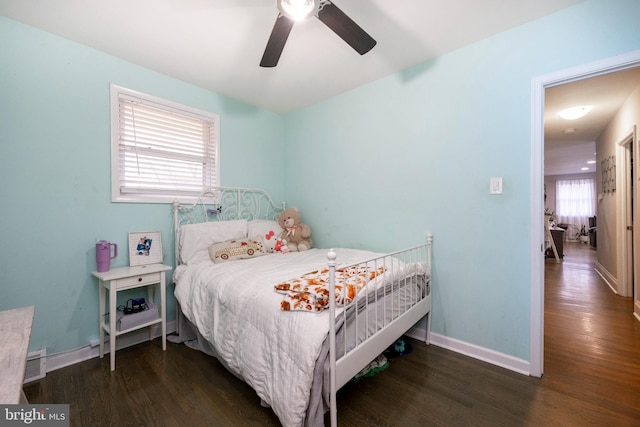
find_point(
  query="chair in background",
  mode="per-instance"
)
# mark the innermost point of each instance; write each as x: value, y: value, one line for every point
x: 592, y: 231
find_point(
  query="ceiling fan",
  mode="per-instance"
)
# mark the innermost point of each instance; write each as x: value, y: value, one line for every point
x: 327, y: 12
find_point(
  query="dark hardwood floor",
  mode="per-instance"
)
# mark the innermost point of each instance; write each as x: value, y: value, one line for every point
x: 592, y: 376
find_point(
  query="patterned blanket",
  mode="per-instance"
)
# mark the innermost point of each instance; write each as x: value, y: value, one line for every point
x: 311, y: 291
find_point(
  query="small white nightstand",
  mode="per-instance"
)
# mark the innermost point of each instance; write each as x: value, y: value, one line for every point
x: 119, y: 279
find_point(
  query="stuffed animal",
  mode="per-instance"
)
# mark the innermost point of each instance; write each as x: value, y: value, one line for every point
x: 281, y: 246
x: 297, y: 234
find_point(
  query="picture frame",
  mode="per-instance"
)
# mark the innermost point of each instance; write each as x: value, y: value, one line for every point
x: 145, y: 247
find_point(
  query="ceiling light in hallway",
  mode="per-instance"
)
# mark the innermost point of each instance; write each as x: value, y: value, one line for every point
x: 575, y: 112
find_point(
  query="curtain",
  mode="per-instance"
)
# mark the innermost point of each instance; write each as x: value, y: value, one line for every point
x: 575, y: 203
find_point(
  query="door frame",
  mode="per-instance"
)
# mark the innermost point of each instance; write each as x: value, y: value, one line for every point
x: 624, y: 238
x: 538, y: 86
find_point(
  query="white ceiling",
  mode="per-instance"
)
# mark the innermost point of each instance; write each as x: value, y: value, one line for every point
x: 568, y: 153
x: 217, y: 45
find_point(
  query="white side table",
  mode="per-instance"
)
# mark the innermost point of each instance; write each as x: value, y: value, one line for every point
x: 119, y: 279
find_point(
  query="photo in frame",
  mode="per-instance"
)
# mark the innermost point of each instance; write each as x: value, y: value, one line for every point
x: 145, y: 247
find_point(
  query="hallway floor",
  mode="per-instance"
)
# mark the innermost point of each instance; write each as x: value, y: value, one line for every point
x: 592, y: 340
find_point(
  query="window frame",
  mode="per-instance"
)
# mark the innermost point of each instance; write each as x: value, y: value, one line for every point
x: 116, y: 92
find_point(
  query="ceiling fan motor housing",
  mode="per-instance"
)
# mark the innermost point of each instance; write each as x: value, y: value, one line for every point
x: 298, y: 9
x: 327, y: 12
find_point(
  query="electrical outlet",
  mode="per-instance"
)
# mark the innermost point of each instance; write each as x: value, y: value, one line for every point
x: 495, y: 185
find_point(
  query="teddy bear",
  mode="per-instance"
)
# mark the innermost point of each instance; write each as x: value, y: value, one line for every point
x: 297, y: 234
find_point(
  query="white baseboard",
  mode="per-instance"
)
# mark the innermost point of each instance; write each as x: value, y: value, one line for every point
x: 515, y: 364
x: 608, y: 278
x: 71, y: 357
x: 417, y: 333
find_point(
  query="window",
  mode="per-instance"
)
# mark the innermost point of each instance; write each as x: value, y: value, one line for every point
x: 575, y: 197
x: 575, y: 203
x: 160, y: 151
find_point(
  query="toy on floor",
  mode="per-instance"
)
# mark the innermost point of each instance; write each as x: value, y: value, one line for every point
x: 399, y: 348
x: 379, y: 364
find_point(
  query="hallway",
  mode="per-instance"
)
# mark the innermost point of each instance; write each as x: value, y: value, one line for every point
x: 592, y: 340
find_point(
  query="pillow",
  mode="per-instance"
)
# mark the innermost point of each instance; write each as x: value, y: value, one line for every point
x: 235, y: 249
x: 266, y: 231
x: 195, y: 239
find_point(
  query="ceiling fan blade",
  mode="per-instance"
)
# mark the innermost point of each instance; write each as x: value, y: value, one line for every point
x: 277, y: 40
x: 344, y: 27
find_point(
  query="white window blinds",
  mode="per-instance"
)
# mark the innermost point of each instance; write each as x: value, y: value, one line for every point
x: 161, y: 151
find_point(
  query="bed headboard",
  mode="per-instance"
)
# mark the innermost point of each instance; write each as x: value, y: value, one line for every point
x: 225, y: 204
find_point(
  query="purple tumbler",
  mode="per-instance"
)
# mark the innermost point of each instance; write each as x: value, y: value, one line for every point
x: 103, y: 254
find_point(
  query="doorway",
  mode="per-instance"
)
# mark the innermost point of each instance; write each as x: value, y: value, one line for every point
x: 625, y: 215
x: 539, y: 85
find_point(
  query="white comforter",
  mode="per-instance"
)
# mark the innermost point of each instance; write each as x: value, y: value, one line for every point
x: 235, y: 307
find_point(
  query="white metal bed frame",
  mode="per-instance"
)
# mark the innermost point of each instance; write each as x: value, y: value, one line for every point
x: 225, y: 204
x: 352, y: 361
x: 229, y: 203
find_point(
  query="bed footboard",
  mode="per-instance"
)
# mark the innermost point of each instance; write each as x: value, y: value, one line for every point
x: 373, y: 320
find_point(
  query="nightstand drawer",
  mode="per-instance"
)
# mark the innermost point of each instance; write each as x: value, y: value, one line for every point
x: 141, y: 279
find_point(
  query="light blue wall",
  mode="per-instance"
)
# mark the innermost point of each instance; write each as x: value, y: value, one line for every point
x: 436, y: 133
x: 382, y: 165
x: 55, y: 174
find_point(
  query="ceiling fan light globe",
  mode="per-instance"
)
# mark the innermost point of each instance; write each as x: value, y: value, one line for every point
x: 297, y: 9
